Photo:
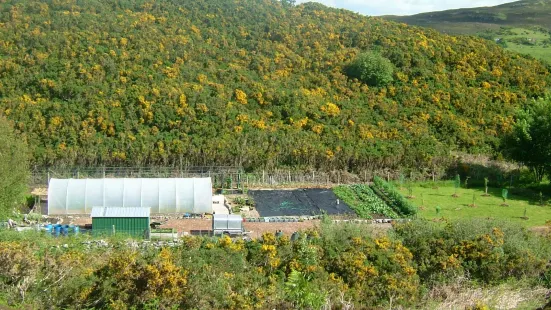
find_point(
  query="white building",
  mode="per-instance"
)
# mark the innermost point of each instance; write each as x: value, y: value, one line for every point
x: 163, y: 195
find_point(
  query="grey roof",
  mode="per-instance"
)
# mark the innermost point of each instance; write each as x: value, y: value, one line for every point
x: 120, y: 212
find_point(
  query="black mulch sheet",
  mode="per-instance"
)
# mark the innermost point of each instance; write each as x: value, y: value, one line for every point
x: 310, y: 201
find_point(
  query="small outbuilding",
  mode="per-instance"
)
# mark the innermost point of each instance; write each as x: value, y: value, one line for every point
x: 118, y: 220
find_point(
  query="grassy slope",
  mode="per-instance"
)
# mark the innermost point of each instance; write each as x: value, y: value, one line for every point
x: 521, y: 15
x: 539, y: 50
x: 454, y: 208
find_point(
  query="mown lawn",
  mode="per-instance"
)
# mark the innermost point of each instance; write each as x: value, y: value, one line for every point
x: 486, y: 207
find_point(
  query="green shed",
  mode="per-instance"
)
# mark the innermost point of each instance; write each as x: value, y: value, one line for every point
x: 118, y: 220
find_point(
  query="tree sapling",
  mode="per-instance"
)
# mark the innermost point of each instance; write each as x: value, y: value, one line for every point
x: 486, y: 181
x: 457, y: 184
x: 504, y: 194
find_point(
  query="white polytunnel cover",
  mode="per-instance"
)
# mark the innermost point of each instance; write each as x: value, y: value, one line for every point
x: 174, y: 195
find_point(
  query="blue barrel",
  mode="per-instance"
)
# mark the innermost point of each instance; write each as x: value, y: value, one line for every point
x: 65, y: 229
x: 57, y: 229
x: 77, y: 230
x: 49, y: 228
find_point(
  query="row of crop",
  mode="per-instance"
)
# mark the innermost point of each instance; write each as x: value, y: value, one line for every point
x: 364, y: 201
x: 401, y: 204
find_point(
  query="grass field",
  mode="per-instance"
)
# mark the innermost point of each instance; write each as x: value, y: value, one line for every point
x: 539, y: 49
x: 486, y: 207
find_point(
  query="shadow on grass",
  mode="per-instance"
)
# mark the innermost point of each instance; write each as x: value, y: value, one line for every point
x: 517, y: 194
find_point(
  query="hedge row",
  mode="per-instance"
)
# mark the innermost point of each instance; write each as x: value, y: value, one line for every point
x: 402, y: 205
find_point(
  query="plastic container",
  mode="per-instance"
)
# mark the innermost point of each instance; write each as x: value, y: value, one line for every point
x: 49, y: 228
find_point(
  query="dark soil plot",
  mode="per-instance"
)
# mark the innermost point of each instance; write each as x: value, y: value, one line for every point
x: 298, y: 202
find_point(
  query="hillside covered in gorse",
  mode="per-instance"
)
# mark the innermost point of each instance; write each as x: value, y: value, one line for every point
x: 260, y: 84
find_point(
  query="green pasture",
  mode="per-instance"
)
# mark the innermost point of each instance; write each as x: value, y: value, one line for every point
x: 428, y: 198
x: 538, y: 50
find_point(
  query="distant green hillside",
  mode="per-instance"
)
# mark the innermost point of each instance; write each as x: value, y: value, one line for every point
x: 520, y: 13
x: 257, y: 83
x: 524, y: 25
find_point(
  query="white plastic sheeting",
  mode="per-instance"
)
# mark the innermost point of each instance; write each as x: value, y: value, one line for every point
x: 176, y: 195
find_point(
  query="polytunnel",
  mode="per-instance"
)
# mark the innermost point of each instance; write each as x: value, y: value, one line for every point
x: 162, y: 195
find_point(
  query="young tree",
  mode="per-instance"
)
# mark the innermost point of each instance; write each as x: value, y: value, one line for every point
x: 504, y: 194
x: 457, y: 184
x: 530, y: 141
x: 486, y: 181
x: 13, y: 169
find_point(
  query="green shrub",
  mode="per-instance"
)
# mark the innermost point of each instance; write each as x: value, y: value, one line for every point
x: 371, y: 68
x: 486, y: 251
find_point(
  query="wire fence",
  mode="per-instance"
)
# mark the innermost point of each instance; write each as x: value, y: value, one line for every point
x: 231, y: 177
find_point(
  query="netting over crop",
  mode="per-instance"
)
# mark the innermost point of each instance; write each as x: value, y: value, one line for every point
x: 298, y: 202
x: 175, y: 195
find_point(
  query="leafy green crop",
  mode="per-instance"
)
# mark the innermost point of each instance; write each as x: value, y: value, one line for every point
x: 364, y: 201
x: 388, y: 191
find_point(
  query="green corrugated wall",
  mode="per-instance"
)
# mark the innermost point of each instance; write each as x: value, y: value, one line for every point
x: 134, y: 226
